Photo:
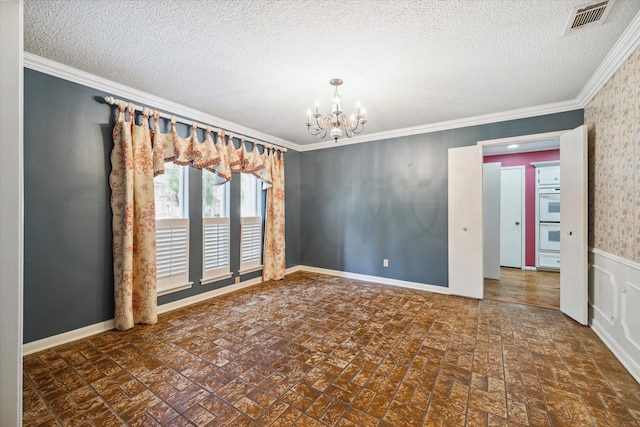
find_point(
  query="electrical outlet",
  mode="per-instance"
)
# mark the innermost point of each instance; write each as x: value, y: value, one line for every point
x: 385, y: 262
x: 237, y: 279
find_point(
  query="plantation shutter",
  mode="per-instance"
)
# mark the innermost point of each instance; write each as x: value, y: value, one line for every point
x: 215, y: 253
x: 251, y: 243
x: 172, y: 253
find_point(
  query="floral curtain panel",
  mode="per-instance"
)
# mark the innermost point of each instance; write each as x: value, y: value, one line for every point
x: 274, y: 240
x: 138, y: 155
x: 134, y: 229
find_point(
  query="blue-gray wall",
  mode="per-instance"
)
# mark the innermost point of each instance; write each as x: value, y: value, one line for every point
x: 347, y: 207
x: 68, y: 271
x: 388, y: 199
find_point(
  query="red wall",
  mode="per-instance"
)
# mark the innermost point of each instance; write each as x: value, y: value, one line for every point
x: 520, y: 159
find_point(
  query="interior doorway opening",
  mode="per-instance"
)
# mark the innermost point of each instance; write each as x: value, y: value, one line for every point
x: 465, y: 228
x: 516, y: 274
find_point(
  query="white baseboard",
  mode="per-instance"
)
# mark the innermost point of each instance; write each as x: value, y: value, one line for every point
x: 378, y: 279
x: 632, y: 365
x: 528, y: 267
x: 170, y: 306
x: 76, y: 334
x: 107, y: 325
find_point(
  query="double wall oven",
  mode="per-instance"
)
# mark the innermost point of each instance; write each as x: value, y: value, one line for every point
x: 548, y: 216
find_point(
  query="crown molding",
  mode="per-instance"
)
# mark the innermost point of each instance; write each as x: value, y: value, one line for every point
x: 47, y: 66
x: 522, y: 113
x: 621, y: 50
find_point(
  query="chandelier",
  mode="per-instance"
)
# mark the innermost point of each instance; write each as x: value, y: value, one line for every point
x: 337, y: 122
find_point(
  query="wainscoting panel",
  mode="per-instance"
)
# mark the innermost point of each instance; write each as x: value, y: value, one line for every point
x: 604, y: 292
x: 614, y: 306
x: 630, y: 313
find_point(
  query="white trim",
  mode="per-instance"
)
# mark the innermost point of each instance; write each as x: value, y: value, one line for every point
x: 621, y: 50
x: 107, y: 325
x: 215, y: 279
x: 625, y: 45
x: 250, y: 270
x: 530, y: 268
x: 623, y: 315
x: 11, y: 210
x: 175, y: 288
x: 616, y: 258
x: 521, y: 113
x: 164, y: 308
x: 545, y: 163
x: 522, y: 139
x: 615, y: 330
x: 611, y: 318
x: 66, y: 337
x: 378, y: 279
x: 293, y: 269
x: 632, y: 365
x: 44, y: 65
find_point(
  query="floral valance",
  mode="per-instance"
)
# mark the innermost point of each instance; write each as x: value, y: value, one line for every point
x: 217, y: 153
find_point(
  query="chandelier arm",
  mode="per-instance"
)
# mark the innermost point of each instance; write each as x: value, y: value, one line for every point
x: 318, y: 122
x: 314, y: 132
x: 326, y: 122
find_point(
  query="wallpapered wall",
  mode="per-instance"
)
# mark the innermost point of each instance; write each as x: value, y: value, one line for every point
x: 613, y: 122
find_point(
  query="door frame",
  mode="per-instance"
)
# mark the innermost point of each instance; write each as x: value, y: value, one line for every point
x: 520, y: 140
x: 523, y: 212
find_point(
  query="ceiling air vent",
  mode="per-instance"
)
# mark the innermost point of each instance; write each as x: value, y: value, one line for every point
x: 588, y: 15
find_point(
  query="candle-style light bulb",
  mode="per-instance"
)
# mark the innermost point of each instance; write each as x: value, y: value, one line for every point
x: 308, y: 115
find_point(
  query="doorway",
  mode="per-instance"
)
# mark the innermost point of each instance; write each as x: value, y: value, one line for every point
x: 465, y: 234
x: 515, y: 199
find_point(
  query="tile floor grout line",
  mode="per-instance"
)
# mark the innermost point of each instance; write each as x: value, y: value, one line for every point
x: 325, y: 325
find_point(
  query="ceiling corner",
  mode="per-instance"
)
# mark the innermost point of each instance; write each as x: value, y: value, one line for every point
x: 623, y: 48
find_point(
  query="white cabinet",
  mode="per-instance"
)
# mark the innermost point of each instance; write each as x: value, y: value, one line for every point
x: 548, y: 175
x: 549, y: 260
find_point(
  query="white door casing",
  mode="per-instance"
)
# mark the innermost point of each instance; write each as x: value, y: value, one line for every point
x: 491, y: 220
x: 573, y: 225
x: 465, y: 222
x: 511, y: 216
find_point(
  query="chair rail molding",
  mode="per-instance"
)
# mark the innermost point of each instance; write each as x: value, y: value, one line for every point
x: 614, y: 284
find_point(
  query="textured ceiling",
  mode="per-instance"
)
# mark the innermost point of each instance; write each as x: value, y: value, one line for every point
x: 263, y: 63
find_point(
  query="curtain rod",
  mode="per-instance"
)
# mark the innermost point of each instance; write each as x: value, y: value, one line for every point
x: 123, y: 104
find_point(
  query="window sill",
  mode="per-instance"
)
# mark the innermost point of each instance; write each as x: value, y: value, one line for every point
x: 215, y: 278
x: 250, y: 270
x: 174, y: 289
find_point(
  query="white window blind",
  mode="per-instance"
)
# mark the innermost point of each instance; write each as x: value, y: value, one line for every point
x: 172, y: 254
x: 215, y: 242
x: 250, y: 243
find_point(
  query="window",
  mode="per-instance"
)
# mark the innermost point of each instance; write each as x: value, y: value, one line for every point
x: 172, y: 229
x: 250, y: 224
x: 215, y: 229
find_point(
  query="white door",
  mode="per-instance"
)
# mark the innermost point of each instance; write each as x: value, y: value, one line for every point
x: 511, y: 216
x: 491, y: 220
x: 465, y: 221
x: 573, y: 224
